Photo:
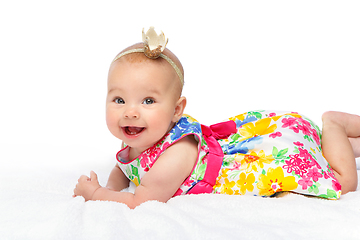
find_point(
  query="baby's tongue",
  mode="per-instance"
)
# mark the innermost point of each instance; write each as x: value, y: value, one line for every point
x: 134, y: 130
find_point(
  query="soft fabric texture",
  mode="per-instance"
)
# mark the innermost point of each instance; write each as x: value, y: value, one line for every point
x: 275, y: 151
x: 257, y: 153
x: 36, y: 203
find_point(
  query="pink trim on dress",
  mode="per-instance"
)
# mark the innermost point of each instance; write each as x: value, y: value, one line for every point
x: 215, y: 155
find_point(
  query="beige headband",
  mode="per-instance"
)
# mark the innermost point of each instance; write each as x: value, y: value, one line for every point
x: 141, y: 50
x: 154, y: 45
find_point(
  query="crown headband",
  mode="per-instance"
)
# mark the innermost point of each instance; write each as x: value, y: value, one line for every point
x: 154, y: 45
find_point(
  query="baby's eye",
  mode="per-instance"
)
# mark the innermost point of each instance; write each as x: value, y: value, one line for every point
x: 119, y: 101
x: 148, y: 101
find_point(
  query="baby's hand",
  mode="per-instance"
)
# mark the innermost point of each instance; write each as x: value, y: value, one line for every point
x: 87, y: 186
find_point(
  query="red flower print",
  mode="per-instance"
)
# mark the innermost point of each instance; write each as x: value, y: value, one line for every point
x: 143, y: 160
x: 296, y: 164
x: 296, y: 129
x: 149, y: 157
x: 305, y: 130
x: 236, y: 166
x: 330, y: 172
x: 305, y: 182
x: 326, y: 174
x: 336, y: 185
x: 288, y: 122
x: 304, y: 122
x: 314, y: 174
x: 307, y: 156
x: 188, y: 182
x: 299, y: 144
x: 274, y: 135
x: 315, y: 136
x: 299, y: 163
x: 272, y: 114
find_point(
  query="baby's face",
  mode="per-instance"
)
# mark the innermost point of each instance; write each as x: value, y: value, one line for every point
x: 141, y: 102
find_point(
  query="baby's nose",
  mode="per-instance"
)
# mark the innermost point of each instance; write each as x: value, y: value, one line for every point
x: 131, y: 112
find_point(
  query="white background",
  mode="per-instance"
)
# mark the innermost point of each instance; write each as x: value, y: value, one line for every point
x: 238, y: 56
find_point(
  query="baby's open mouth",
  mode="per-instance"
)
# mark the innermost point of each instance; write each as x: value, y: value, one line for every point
x: 133, y: 130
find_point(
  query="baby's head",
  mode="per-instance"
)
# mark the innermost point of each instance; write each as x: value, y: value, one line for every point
x: 144, y: 96
x: 135, y: 54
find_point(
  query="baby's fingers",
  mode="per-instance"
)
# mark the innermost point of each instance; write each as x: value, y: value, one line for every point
x: 93, y: 176
x: 83, y: 178
x: 75, y: 191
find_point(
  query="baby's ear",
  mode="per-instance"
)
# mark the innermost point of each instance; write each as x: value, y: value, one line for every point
x: 179, y: 109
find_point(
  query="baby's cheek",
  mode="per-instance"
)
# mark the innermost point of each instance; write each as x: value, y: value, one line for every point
x: 112, y: 123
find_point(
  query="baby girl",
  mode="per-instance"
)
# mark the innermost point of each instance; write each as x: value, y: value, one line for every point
x: 166, y: 153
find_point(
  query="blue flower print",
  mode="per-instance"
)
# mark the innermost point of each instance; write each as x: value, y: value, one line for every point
x: 246, y: 120
x: 183, y: 126
x: 243, y: 146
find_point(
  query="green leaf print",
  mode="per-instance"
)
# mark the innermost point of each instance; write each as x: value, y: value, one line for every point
x: 275, y: 152
x: 283, y: 152
x: 200, y: 171
x: 258, y: 115
x: 313, y: 125
x: 135, y: 171
x: 228, y: 159
x: 235, y: 174
x: 296, y: 150
x: 235, y: 137
x: 330, y: 194
x: 314, y: 188
x: 306, y: 137
x: 128, y: 172
x: 279, y: 156
x: 313, y: 155
x: 277, y: 162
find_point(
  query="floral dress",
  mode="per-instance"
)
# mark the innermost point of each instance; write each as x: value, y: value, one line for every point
x: 256, y: 153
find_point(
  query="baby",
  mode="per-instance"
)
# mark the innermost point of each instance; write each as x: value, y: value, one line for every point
x: 166, y: 153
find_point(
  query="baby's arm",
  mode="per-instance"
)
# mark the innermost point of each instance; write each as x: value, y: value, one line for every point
x: 87, y: 186
x: 117, y: 180
x: 163, y: 179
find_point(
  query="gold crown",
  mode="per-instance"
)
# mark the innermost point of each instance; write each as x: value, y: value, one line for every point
x: 154, y: 44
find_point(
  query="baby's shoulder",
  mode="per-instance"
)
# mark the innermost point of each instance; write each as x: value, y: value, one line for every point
x: 185, y: 148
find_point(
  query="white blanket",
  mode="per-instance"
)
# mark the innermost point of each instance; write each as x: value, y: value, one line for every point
x: 36, y: 203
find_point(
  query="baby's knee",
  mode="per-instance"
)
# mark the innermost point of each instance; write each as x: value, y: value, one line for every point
x: 348, y: 184
x: 333, y: 117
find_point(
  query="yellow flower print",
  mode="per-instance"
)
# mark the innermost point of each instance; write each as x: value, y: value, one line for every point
x: 240, y: 117
x: 224, y: 172
x: 217, y: 184
x: 261, y: 127
x: 191, y: 119
x: 313, y: 150
x: 222, y: 175
x: 253, y: 161
x: 295, y: 115
x: 245, y: 183
x: 136, y: 181
x: 227, y: 187
x: 276, y: 118
x: 274, y: 181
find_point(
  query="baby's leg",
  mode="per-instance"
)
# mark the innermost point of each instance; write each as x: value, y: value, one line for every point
x: 340, y: 144
x: 355, y: 143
